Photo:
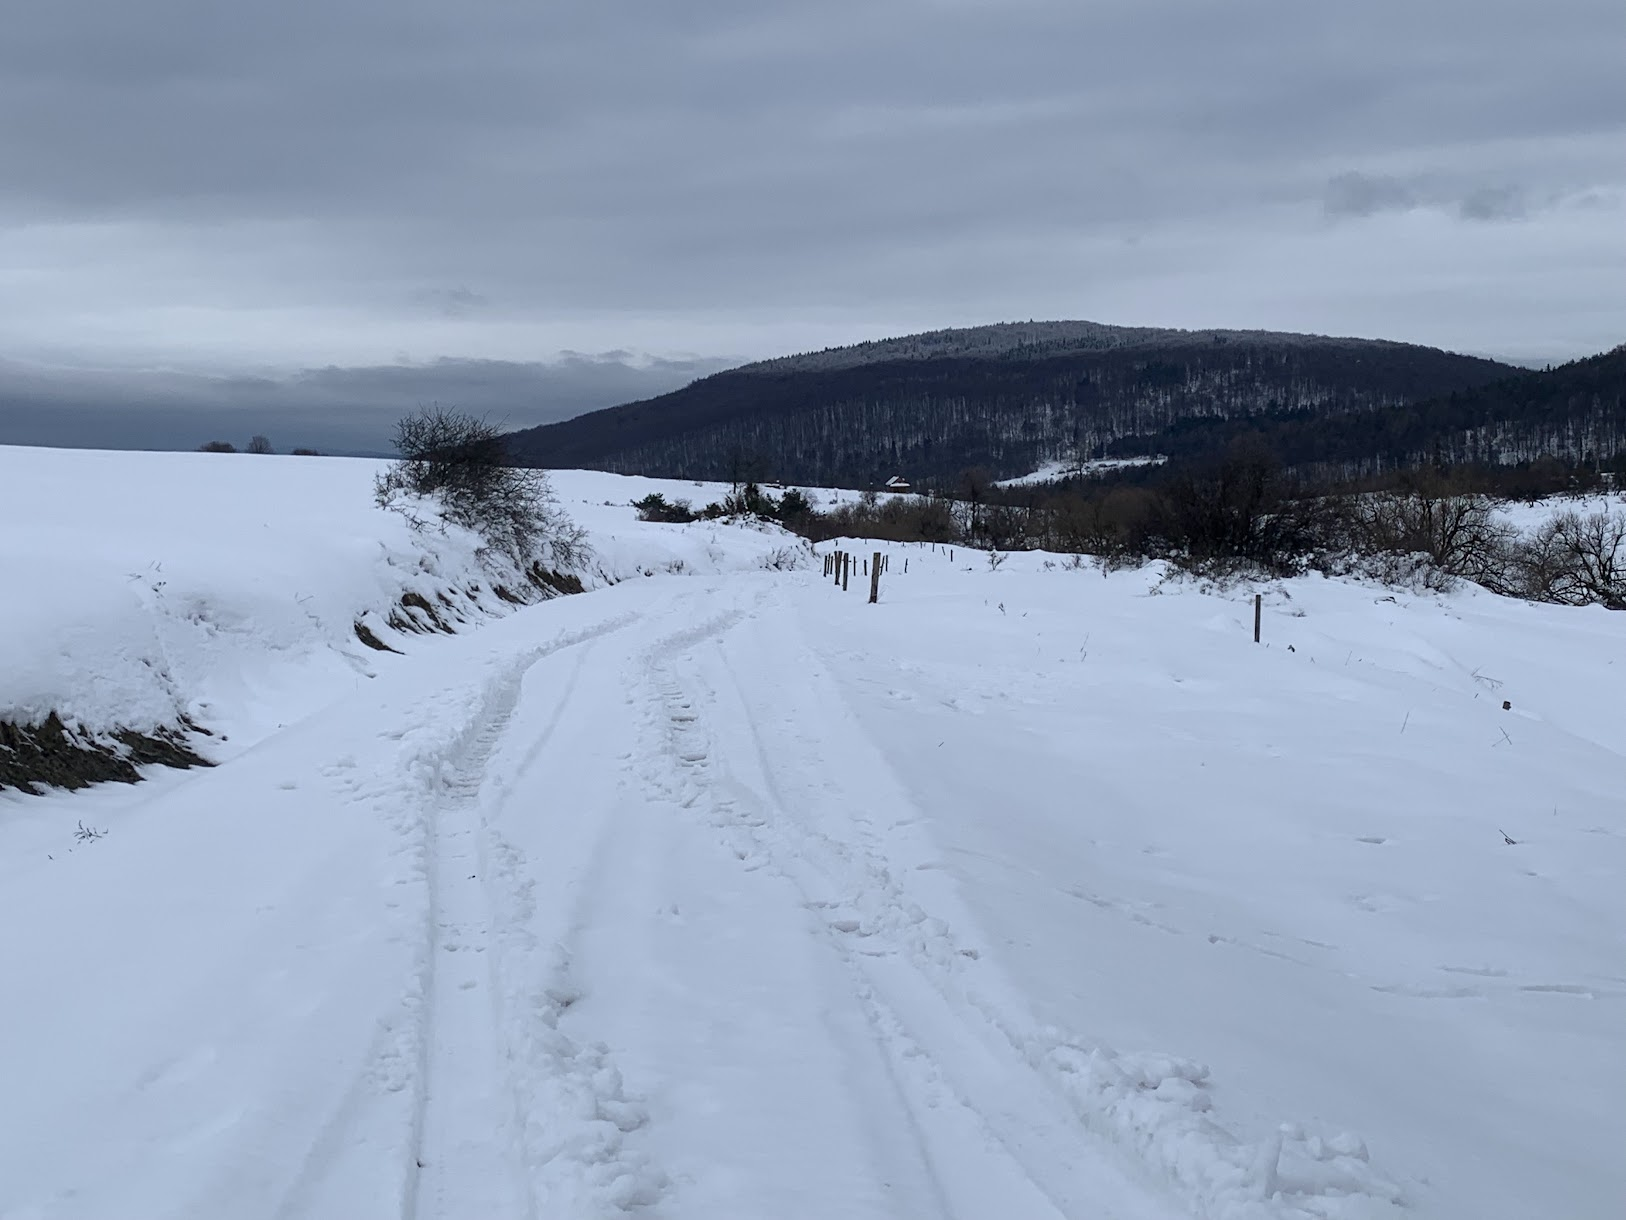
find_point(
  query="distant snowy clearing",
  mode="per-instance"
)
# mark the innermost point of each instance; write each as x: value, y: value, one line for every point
x: 1052, y: 472
x: 720, y: 894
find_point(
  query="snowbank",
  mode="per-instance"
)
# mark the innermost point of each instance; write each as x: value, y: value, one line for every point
x: 148, y: 589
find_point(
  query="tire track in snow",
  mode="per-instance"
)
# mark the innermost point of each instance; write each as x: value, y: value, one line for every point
x: 943, y: 1011
x: 537, y: 1126
x: 463, y: 1146
x: 431, y: 790
x: 571, y: 1111
x: 365, y: 1140
x: 1025, y: 1160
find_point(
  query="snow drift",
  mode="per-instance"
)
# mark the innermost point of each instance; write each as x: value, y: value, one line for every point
x: 151, y: 593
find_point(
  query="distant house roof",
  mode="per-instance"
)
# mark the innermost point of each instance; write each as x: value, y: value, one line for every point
x: 897, y: 484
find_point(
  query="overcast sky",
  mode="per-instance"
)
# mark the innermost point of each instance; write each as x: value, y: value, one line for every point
x: 331, y: 207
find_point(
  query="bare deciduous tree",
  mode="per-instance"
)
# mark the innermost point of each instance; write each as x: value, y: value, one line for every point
x: 1458, y: 535
x: 1577, y: 561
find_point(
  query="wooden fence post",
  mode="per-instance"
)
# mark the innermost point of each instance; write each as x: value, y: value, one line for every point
x: 1258, y: 601
x: 875, y: 579
x: 846, y: 571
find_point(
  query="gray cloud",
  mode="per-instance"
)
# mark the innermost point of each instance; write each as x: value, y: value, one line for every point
x: 1361, y: 195
x: 452, y: 302
x: 1494, y: 203
x: 1357, y: 194
x: 222, y: 187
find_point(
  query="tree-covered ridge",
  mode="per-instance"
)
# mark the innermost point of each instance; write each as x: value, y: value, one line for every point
x: 1005, y: 402
x: 1027, y: 341
x: 1575, y: 414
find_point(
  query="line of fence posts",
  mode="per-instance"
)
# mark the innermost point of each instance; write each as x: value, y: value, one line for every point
x: 839, y: 565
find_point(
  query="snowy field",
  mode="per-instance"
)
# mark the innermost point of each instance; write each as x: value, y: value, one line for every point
x: 719, y: 894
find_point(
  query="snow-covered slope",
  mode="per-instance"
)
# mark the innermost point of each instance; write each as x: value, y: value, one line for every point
x: 1028, y: 892
x: 143, y: 588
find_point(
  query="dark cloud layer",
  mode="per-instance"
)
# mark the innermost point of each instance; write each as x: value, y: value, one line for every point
x: 335, y: 410
x: 221, y: 186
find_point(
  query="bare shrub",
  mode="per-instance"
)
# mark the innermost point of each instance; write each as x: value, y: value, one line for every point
x: 217, y: 447
x: 1240, y: 517
x: 1118, y: 526
x: 1576, y: 560
x: 894, y: 519
x: 460, y: 463
x: 259, y: 444
x: 656, y: 507
x: 784, y: 559
x: 1423, y: 535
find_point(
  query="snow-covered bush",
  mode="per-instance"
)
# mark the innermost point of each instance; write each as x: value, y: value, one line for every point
x: 459, y: 463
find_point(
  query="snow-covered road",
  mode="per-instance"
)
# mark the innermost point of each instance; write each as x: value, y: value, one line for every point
x: 375, y: 967
x: 731, y: 897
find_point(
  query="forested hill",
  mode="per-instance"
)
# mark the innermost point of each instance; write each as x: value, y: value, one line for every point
x: 1008, y: 398
x: 1575, y: 413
